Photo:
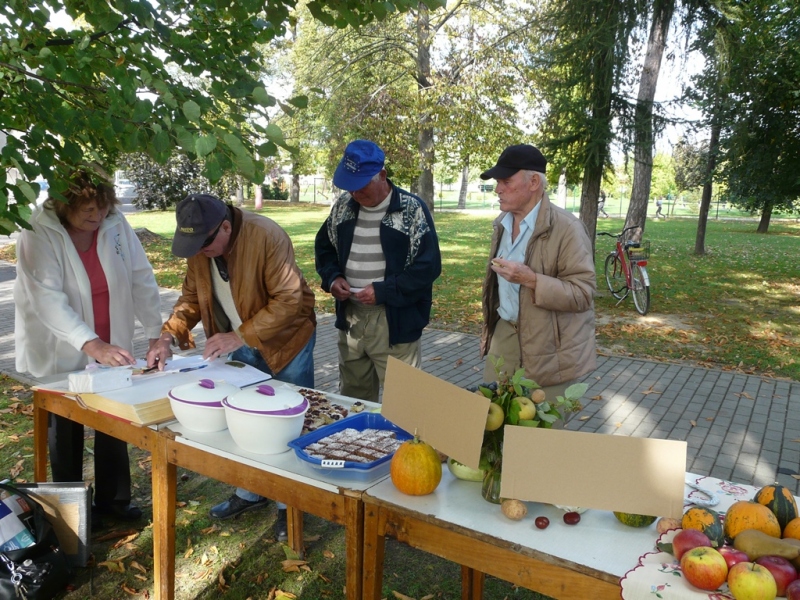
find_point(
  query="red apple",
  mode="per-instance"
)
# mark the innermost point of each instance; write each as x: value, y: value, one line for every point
x: 782, y: 570
x: 750, y: 581
x: 686, y: 539
x: 704, y: 567
x: 793, y: 590
x: 733, y: 556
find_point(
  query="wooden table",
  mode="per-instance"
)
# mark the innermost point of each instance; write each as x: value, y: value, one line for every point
x: 579, y: 561
x: 279, y: 477
x: 146, y: 438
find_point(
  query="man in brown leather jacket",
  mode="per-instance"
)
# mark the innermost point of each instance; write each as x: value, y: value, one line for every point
x: 538, y: 295
x: 243, y: 283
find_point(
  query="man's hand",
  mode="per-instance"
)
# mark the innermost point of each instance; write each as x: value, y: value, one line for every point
x: 514, y: 272
x: 221, y: 344
x: 160, y: 351
x: 108, y: 354
x: 340, y: 289
x: 367, y: 295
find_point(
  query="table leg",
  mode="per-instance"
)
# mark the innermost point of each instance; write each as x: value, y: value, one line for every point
x: 164, y: 497
x: 40, y: 418
x: 471, y: 583
x: 354, y: 546
x: 374, y: 548
x: 294, y: 530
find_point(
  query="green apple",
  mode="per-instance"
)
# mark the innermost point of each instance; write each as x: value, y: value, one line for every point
x: 527, y: 409
x: 495, y: 418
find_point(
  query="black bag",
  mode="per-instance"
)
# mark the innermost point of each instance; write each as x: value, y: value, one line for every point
x: 39, y: 572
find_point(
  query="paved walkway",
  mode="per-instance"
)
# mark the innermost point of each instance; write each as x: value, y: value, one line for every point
x: 740, y: 427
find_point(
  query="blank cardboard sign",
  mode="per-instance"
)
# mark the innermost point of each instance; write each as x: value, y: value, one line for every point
x: 591, y: 470
x: 448, y: 417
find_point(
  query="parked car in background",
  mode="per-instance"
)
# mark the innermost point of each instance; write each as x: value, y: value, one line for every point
x: 126, y: 191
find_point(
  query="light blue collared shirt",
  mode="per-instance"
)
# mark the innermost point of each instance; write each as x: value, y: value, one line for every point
x: 508, y: 293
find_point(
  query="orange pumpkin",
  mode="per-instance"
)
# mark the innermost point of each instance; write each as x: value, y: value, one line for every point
x: 416, y: 468
x: 750, y: 515
x: 792, y: 529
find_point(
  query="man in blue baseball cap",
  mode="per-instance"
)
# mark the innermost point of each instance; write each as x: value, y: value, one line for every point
x: 378, y: 255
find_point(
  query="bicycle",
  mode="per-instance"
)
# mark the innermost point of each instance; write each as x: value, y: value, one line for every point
x: 626, y: 272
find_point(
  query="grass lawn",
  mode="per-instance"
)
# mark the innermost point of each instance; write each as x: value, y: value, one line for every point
x: 737, y: 308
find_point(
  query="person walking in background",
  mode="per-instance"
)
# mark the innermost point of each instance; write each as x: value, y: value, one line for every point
x: 538, y: 293
x: 243, y: 283
x: 82, y: 279
x: 377, y: 254
x: 658, y: 209
x: 601, y: 203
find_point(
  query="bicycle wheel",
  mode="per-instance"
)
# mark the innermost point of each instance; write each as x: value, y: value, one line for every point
x: 615, y: 278
x: 640, y: 286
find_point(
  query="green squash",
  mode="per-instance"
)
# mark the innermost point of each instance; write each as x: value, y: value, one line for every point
x: 632, y: 520
x: 706, y: 520
x: 780, y: 501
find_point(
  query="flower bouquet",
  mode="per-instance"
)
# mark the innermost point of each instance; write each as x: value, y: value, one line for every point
x: 517, y: 400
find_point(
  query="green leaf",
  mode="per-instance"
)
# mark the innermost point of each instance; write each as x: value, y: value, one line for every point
x: 205, y: 145
x: 528, y: 423
x: 245, y: 165
x: 27, y: 190
x: 275, y: 134
x: 185, y: 139
x: 212, y: 169
x: 299, y: 101
x: 162, y: 141
x: 191, y: 110
x: 235, y: 144
x: 261, y: 96
x: 576, y: 391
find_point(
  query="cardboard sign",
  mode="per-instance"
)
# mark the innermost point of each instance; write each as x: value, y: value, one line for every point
x: 448, y: 417
x: 590, y: 470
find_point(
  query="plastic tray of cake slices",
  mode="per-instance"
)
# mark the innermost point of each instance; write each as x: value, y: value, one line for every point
x: 360, y: 446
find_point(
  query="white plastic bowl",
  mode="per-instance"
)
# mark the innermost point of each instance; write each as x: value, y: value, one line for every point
x: 264, y: 419
x: 198, y: 405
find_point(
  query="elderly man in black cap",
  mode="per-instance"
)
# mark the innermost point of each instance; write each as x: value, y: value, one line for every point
x: 538, y: 294
x: 378, y: 255
x: 243, y: 283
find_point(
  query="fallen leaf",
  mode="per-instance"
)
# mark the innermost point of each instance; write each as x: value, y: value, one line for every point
x: 188, y: 553
x: 113, y: 535
x: 796, y: 476
x: 113, y: 566
x: 137, y: 566
x: 459, y: 362
x: 211, y: 529
x: 598, y: 397
x: 650, y: 390
x: 129, y: 590
x: 693, y: 422
x: 325, y: 579
x: 328, y: 554
x: 584, y: 418
x: 125, y: 540
x: 140, y: 577
x: 436, y: 358
x: 400, y: 596
x: 311, y: 538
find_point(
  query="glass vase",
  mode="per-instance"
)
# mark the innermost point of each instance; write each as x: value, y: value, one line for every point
x: 490, y: 489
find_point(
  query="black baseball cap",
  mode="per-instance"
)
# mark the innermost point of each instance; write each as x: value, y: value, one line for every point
x: 197, y: 215
x: 517, y: 158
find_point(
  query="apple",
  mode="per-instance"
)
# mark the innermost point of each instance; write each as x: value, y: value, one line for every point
x: 686, y: 539
x: 793, y: 590
x: 495, y: 417
x: 733, y: 556
x: 527, y: 409
x: 751, y: 581
x: 782, y: 570
x: 704, y: 567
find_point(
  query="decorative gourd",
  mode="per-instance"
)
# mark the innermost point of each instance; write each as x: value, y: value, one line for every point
x: 780, y: 501
x: 634, y: 520
x: 792, y: 529
x: 750, y: 515
x: 706, y: 520
x: 416, y: 468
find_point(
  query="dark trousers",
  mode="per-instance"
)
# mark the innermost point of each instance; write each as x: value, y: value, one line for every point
x: 112, y: 475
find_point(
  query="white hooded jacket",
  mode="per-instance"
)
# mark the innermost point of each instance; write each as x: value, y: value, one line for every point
x: 53, y: 297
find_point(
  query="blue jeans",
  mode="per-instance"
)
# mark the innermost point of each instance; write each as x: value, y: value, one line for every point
x: 300, y: 371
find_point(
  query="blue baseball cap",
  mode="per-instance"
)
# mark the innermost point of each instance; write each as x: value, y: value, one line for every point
x: 361, y: 161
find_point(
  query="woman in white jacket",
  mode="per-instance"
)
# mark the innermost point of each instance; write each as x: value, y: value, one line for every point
x: 82, y: 276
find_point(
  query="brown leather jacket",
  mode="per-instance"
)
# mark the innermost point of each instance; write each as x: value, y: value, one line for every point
x: 556, y: 323
x: 271, y: 295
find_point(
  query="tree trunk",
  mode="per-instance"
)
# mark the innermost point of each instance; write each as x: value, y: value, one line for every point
x: 259, y: 201
x: 462, y: 192
x: 643, y: 123
x: 705, y: 201
x: 426, y: 147
x: 592, y: 178
x: 766, y: 215
x: 294, y: 193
